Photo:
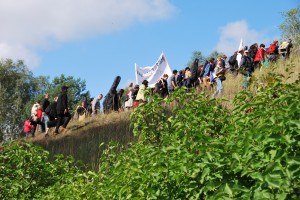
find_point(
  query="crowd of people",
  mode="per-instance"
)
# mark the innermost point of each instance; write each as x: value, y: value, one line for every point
x: 205, y: 76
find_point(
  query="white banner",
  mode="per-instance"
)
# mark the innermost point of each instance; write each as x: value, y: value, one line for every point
x: 241, y: 46
x: 154, y: 73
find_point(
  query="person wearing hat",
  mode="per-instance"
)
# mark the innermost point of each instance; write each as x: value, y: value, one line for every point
x: 63, y: 115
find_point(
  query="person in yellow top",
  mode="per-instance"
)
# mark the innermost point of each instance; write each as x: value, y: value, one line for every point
x: 141, y: 93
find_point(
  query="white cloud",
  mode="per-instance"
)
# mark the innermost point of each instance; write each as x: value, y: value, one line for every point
x: 18, y: 52
x: 30, y: 24
x: 232, y: 33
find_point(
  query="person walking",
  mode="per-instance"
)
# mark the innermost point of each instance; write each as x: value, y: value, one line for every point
x: 63, y: 115
x: 96, y: 105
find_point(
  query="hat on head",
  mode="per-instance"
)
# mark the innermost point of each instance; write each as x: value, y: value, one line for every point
x: 64, y: 87
x: 246, y: 51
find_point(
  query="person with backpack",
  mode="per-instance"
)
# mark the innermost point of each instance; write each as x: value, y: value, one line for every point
x: 180, y: 78
x: 273, y: 51
x: 246, y: 68
x: 207, y: 73
x: 232, y: 61
x: 163, y: 86
x: 259, y: 57
x: 252, y: 51
x: 219, y: 75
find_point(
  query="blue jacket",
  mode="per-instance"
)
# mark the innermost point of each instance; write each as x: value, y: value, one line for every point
x: 207, y: 70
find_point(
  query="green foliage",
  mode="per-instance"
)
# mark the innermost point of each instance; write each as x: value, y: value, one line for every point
x: 215, y: 54
x: 17, y: 87
x: 198, y: 149
x: 196, y: 54
x: 189, y: 147
x: 76, y: 92
x: 26, y: 173
x: 291, y: 26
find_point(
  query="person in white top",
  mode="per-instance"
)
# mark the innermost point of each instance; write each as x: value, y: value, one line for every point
x: 239, y: 57
x: 96, y: 105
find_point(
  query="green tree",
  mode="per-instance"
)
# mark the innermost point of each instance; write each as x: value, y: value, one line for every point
x: 291, y: 26
x: 76, y: 90
x: 196, y: 54
x: 17, y: 87
x: 215, y: 54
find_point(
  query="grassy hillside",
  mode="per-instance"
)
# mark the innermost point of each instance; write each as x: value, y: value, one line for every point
x: 202, y: 148
x: 83, y: 139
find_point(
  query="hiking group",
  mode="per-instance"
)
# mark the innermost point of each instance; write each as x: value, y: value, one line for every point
x: 205, y: 76
x: 47, y: 115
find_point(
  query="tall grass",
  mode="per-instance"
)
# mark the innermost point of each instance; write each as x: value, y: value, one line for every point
x: 84, y: 138
x: 290, y: 68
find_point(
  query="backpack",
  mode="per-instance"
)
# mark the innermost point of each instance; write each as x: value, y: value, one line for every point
x: 232, y: 60
x: 180, y: 78
x: 194, y: 69
x: 246, y: 65
x: 48, y: 110
x: 203, y: 69
x: 272, y: 48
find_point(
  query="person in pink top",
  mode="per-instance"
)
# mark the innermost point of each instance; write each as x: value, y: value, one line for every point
x: 260, y: 56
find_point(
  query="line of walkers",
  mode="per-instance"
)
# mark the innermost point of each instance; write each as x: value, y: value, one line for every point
x: 47, y: 115
x: 203, y: 76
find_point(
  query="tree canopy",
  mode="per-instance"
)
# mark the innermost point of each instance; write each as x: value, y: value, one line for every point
x: 19, y: 89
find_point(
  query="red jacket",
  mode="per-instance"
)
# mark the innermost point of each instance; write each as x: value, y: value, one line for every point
x: 260, y: 54
x: 27, y: 126
x: 39, y: 113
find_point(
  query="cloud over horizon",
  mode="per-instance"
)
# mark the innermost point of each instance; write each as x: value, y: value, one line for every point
x: 232, y: 33
x: 28, y: 25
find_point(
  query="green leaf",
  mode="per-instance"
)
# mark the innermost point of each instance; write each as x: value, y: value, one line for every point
x: 204, y: 174
x: 256, y: 176
x: 228, y: 190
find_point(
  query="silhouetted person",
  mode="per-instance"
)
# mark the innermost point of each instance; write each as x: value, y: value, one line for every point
x: 63, y: 115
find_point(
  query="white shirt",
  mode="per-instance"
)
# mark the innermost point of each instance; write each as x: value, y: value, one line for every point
x: 239, y: 58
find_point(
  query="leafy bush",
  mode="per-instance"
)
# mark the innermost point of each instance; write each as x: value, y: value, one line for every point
x: 189, y: 147
x: 26, y: 173
x: 198, y: 149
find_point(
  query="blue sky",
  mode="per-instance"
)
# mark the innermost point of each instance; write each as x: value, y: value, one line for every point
x: 96, y: 40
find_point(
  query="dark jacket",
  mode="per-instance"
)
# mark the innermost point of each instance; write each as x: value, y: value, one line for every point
x: 163, y: 88
x: 52, y: 114
x: 46, y: 103
x: 62, y: 103
x: 246, y: 64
